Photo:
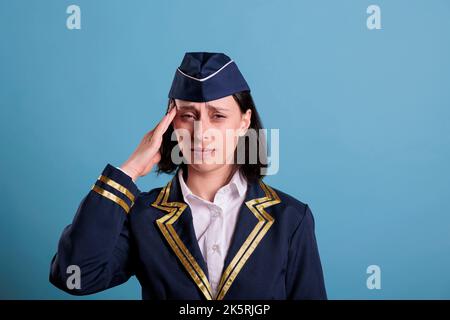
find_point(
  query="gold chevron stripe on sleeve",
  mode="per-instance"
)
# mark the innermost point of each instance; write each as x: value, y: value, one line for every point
x: 117, y: 186
x: 111, y: 197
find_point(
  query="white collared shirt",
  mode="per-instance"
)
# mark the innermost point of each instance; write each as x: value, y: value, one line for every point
x: 214, y: 222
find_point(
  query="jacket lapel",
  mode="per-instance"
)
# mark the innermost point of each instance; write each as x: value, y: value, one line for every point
x: 178, y: 229
x: 252, y: 225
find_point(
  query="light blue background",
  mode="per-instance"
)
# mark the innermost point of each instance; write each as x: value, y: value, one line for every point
x: 363, y: 115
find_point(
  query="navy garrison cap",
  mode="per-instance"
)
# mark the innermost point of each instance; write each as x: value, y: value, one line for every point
x: 205, y: 76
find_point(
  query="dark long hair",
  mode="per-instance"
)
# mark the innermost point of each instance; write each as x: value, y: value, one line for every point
x: 251, y: 171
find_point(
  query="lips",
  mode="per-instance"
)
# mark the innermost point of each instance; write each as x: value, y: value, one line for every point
x: 202, y: 149
x: 202, y: 153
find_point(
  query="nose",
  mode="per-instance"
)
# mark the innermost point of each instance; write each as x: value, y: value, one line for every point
x: 202, y: 131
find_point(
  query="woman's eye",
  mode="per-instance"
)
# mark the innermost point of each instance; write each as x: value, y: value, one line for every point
x: 187, y: 116
x: 218, y: 116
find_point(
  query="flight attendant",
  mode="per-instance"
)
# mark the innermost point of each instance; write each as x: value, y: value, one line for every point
x: 215, y: 230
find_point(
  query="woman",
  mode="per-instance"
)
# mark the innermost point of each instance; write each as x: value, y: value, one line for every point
x: 216, y: 230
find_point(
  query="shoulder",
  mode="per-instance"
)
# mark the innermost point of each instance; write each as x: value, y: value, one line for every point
x: 290, y: 208
x: 148, y: 197
x: 143, y: 204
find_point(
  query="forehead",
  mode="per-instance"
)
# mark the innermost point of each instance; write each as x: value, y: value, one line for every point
x: 225, y: 103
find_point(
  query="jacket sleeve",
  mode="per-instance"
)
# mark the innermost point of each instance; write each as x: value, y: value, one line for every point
x: 98, y: 242
x: 304, y: 277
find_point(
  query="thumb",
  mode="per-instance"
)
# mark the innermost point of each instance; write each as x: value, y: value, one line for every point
x: 156, y: 158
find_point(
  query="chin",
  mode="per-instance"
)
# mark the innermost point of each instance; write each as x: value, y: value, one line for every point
x: 209, y: 164
x: 206, y: 167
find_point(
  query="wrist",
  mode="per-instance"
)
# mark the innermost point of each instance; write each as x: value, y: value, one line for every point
x: 130, y: 171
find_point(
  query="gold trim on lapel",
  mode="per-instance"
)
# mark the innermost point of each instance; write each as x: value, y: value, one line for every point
x: 175, y: 209
x: 257, y: 207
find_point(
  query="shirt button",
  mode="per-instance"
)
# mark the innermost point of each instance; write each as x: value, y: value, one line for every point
x: 216, y: 248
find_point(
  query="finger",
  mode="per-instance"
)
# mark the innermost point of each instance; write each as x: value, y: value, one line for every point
x: 171, y: 116
x: 158, y: 130
x: 149, y: 133
x: 166, y: 122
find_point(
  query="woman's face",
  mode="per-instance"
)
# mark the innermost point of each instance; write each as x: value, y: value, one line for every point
x: 208, y: 132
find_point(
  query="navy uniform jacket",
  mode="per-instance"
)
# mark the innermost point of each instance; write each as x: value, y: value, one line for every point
x: 119, y: 231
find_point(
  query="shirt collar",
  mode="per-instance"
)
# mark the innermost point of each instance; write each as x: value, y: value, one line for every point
x: 238, y: 182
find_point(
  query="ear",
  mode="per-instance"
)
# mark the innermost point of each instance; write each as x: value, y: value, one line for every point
x: 245, y: 122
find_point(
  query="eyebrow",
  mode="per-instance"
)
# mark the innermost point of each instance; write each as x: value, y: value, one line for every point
x: 192, y: 107
x: 217, y: 107
x: 186, y: 107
